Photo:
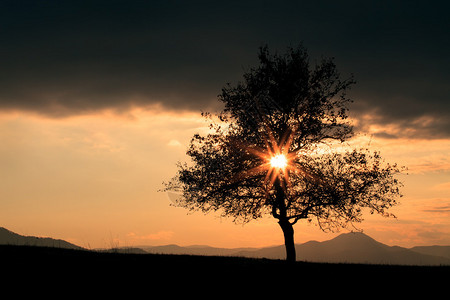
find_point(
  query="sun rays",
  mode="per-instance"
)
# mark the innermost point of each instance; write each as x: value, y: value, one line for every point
x: 277, y: 161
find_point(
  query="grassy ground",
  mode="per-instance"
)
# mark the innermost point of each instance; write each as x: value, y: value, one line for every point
x: 184, y: 273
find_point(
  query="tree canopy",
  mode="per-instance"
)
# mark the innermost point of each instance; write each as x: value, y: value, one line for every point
x: 288, y: 108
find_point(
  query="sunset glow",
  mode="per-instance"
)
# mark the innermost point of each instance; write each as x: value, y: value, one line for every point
x: 99, y: 103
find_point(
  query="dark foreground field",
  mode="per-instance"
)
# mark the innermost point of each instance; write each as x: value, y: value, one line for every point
x: 77, y: 269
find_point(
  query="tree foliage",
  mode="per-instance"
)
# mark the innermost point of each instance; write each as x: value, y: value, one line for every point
x: 285, y: 106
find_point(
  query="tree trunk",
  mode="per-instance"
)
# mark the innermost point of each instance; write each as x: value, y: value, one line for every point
x: 286, y: 226
x: 288, y: 232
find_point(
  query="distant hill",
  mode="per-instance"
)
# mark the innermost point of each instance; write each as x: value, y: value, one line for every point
x: 345, y: 248
x: 443, y: 251
x: 10, y: 238
x: 360, y: 248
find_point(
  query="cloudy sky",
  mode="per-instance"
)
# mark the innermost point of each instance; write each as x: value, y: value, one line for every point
x: 98, y: 100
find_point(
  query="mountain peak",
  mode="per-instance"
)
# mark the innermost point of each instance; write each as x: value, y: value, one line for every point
x: 354, y: 237
x: 352, y: 246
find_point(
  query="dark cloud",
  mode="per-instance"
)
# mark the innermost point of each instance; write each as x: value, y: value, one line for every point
x: 59, y: 58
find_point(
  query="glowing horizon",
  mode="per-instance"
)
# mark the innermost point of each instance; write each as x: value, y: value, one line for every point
x: 94, y: 181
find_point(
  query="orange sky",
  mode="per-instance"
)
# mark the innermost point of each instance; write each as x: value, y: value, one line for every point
x: 94, y: 179
x: 99, y: 99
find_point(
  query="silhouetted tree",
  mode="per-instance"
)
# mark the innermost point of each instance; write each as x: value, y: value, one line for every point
x: 297, y: 113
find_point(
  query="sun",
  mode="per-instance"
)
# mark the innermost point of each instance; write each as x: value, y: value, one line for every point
x: 278, y: 161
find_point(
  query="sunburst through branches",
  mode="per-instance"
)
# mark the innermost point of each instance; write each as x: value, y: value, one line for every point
x: 277, y: 161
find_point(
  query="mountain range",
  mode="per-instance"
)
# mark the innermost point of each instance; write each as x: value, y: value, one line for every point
x: 10, y: 238
x: 354, y: 247
x: 345, y: 248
